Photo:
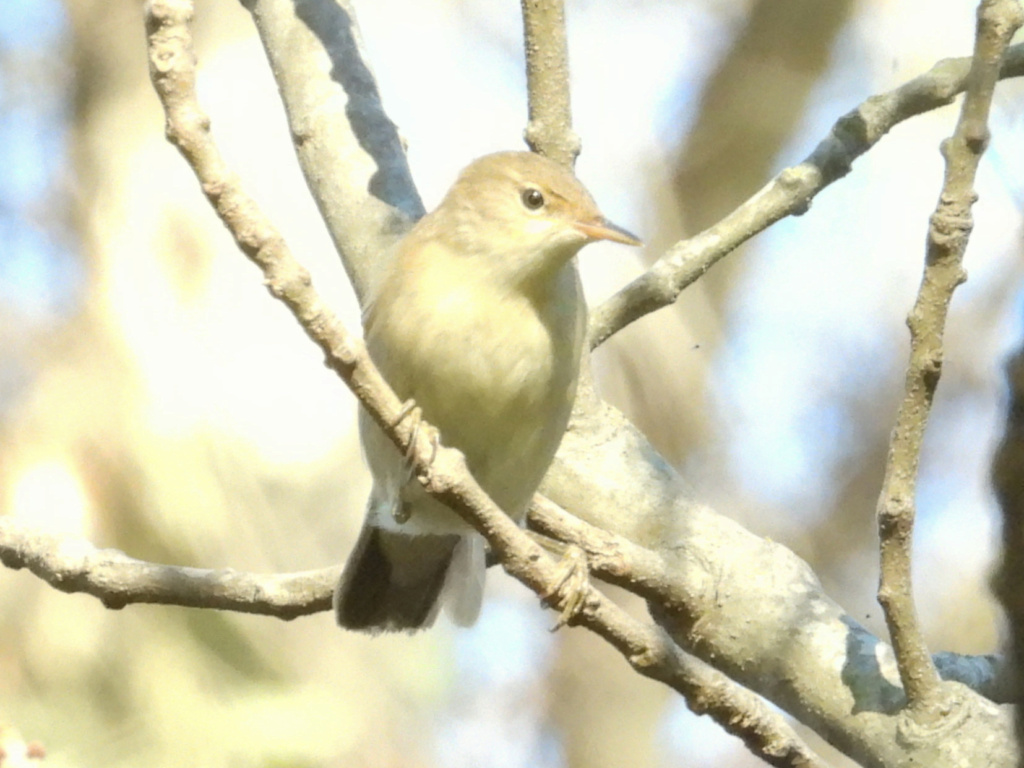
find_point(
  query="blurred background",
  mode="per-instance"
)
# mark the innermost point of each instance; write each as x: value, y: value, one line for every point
x: 154, y: 398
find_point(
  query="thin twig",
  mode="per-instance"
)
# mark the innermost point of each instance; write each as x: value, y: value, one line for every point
x: 644, y: 646
x: 947, y: 240
x: 549, y: 130
x: 788, y: 194
x: 74, y: 565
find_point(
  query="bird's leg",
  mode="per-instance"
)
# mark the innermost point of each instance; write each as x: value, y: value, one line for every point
x: 408, y: 408
x: 412, y: 411
x: 568, y: 591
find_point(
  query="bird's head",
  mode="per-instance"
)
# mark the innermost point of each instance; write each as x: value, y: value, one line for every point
x: 523, y: 214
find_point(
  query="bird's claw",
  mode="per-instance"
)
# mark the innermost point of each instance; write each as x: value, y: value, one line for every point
x: 569, y: 589
x: 413, y: 412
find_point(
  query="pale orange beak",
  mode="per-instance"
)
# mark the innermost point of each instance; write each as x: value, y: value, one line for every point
x: 602, y: 229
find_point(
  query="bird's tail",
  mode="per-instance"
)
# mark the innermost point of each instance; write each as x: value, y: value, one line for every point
x: 464, y: 587
x: 394, y: 581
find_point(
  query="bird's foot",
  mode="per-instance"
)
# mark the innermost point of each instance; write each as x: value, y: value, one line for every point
x: 414, y: 413
x: 568, y: 591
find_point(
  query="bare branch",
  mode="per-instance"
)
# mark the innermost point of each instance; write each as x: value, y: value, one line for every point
x: 650, y: 575
x: 947, y: 240
x: 788, y: 194
x: 75, y: 565
x: 172, y: 68
x: 758, y: 613
x: 549, y: 130
x: 348, y: 148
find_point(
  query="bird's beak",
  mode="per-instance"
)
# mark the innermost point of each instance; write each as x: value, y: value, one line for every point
x: 602, y: 229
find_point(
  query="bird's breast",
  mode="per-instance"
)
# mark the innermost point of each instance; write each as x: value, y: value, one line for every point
x: 494, y: 370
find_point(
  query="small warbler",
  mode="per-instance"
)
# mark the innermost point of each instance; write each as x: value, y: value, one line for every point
x: 479, y: 320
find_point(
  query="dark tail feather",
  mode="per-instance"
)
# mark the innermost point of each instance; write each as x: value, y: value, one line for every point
x: 392, y: 581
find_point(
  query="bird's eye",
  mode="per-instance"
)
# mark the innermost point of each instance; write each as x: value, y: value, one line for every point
x: 532, y: 198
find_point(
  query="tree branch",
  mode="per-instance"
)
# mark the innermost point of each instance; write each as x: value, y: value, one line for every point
x: 788, y: 194
x: 650, y: 575
x: 757, y: 612
x: 947, y: 240
x: 74, y: 565
x: 349, y: 150
x: 549, y: 129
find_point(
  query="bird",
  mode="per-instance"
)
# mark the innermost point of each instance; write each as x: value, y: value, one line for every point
x: 477, y: 322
